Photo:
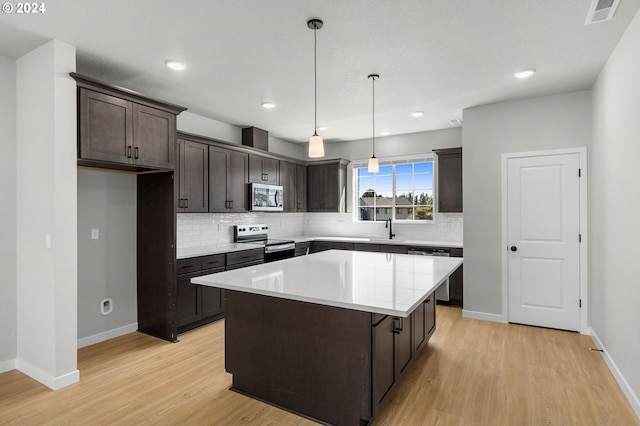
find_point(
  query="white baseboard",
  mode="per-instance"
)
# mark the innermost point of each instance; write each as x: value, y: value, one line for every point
x: 110, y: 334
x: 626, y: 389
x: 47, y: 379
x: 483, y: 316
x: 7, y: 365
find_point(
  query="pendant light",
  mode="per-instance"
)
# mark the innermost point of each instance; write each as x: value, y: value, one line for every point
x: 374, y: 166
x: 316, y: 146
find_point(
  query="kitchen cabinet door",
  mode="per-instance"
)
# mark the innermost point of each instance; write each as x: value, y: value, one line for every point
x: 404, y: 344
x: 228, y: 172
x: 154, y: 137
x: 455, y: 286
x: 392, y: 353
x: 106, y: 127
x: 419, y: 330
x: 211, y: 301
x: 384, y: 371
x: 238, y: 192
x: 450, y: 180
x: 326, y: 186
x: 192, y: 170
x: 264, y: 170
x: 188, y: 302
x: 288, y: 181
x: 430, y: 315
x: 301, y: 188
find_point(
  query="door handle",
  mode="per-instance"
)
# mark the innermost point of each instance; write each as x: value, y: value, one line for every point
x: 513, y: 248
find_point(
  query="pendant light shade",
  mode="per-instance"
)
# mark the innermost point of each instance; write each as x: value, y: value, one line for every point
x: 374, y: 166
x: 316, y: 145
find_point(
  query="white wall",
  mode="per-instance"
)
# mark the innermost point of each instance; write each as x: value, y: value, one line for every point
x: 446, y: 227
x: 106, y: 266
x: 615, y: 202
x: 46, y: 206
x: 551, y: 122
x: 198, y: 125
x: 8, y: 284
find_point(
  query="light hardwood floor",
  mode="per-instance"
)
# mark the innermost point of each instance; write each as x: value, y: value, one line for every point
x: 472, y: 373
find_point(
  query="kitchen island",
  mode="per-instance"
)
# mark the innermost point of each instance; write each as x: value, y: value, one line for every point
x: 329, y: 336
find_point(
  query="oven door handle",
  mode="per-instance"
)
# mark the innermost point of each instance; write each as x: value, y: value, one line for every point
x: 280, y: 247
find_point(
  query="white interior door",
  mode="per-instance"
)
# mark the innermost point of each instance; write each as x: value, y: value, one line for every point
x: 543, y: 231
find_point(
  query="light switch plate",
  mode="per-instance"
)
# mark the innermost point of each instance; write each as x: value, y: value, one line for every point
x: 95, y: 233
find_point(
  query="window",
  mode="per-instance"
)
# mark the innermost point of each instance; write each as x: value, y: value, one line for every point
x: 401, y: 190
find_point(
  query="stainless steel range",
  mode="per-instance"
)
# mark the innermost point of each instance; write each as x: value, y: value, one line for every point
x: 259, y: 234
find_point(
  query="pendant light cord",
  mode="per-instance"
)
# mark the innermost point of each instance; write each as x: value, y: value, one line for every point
x: 315, y: 81
x: 373, y: 115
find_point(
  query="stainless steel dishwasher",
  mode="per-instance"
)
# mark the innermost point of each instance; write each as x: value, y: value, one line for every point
x: 442, y: 292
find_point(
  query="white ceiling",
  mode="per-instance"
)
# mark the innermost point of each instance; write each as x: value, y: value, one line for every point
x: 436, y: 56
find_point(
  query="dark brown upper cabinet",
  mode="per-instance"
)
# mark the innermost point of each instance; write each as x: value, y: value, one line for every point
x: 301, y: 188
x: 192, y: 169
x: 293, y: 178
x: 326, y: 186
x: 122, y: 129
x: 264, y: 170
x: 449, y: 180
x: 228, y: 174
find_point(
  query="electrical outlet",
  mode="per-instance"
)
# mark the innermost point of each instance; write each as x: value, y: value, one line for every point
x: 95, y: 234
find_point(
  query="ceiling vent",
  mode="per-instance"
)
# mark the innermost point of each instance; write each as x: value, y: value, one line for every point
x: 601, y: 10
x: 455, y: 122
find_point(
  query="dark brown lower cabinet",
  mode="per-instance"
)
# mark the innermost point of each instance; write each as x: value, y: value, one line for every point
x: 393, y: 352
x: 318, y: 246
x: 334, y: 365
x: 424, y: 323
x: 198, y: 305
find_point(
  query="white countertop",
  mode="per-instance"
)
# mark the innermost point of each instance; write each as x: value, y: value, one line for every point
x: 183, y: 253
x: 384, y: 283
x: 395, y: 241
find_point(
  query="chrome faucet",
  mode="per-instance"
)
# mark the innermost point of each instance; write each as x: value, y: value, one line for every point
x: 388, y: 225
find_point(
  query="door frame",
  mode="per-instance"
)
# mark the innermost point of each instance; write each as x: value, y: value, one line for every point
x: 584, y: 293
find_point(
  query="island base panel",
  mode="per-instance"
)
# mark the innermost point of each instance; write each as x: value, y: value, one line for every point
x: 310, y: 359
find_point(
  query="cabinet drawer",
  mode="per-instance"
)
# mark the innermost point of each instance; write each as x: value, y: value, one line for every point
x: 192, y: 264
x: 456, y: 252
x: 244, y: 265
x: 244, y: 256
x: 213, y: 261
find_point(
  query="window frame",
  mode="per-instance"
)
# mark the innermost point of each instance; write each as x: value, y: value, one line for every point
x: 393, y: 161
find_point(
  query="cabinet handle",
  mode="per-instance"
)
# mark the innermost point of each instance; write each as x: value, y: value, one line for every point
x: 137, y: 151
x: 397, y: 325
x: 129, y: 152
x: 186, y: 203
x: 179, y: 203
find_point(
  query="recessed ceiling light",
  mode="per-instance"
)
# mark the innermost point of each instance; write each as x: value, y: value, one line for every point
x: 385, y: 133
x: 525, y: 73
x: 175, y: 65
x: 322, y: 128
x: 268, y: 105
x: 417, y: 114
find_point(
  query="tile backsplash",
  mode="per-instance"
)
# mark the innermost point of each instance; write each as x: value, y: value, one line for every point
x: 202, y: 229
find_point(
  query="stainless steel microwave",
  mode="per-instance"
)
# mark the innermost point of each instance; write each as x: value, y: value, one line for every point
x: 266, y: 198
